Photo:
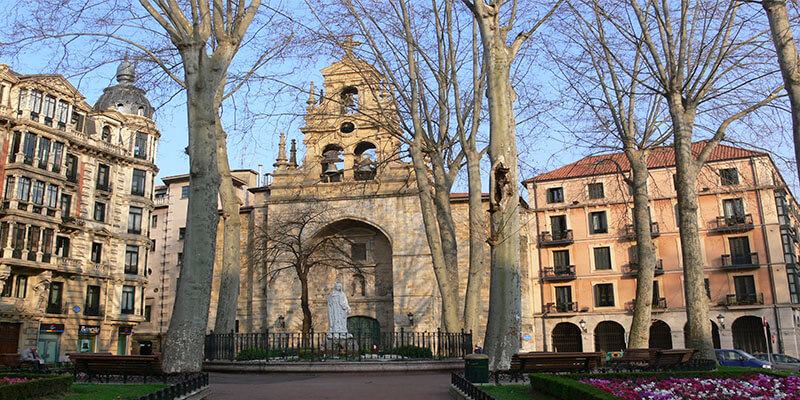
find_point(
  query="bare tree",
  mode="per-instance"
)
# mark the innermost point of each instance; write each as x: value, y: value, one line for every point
x: 293, y: 241
x: 605, y: 76
x: 505, y: 304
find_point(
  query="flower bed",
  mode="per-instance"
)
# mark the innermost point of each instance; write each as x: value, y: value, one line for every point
x: 755, y: 386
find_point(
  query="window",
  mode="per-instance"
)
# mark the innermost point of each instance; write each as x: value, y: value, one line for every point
x: 54, y: 300
x: 20, y: 286
x: 135, y: 220
x: 7, y: 288
x: 180, y: 258
x: 92, y: 305
x: 102, y: 177
x: 147, y: 313
x: 106, y: 134
x: 97, y: 252
x: 745, y: 288
x: 58, y: 155
x: 181, y: 233
x: 358, y: 251
x: 656, y: 293
x: 675, y: 182
x: 44, y: 152
x: 128, y: 299
x: 35, y: 103
x: 729, y: 176
x: 47, y: 244
x: 33, y: 242
x: 561, y: 262
x: 740, y: 250
x: 153, y: 245
x: 38, y: 192
x: 131, y: 259
x: 99, y: 211
x: 62, y: 113
x: 12, y: 156
x: 18, y: 240
x: 564, y: 299
x: 558, y: 226
x: 604, y: 295
x: 29, y: 147
x: 154, y: 221
x: 349, y: 99
x: 49, y: 109
x: 137, y: 182
x: 596, y: 190
x: 22, y: 104
x: 9, y: 193
x: 597, y: 222
x: 140, y: 145
x: 602, y: 258
x: 62, y: 246
x: 555, y: 195
x: 24, y: 189
x: 734, y: 211
x: 185, y: 192
x: 72, y: 168
x: 708, y: 287
x: 52, y: 196
x: 66, y: 204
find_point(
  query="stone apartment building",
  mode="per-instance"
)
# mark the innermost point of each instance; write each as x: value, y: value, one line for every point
x: 584, y: 265
x: 78, y: 182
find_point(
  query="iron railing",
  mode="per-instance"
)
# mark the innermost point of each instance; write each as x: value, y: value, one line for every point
x: 732, y: 222
x: 740, y: 260
x: 744, y: 299
x: 633, y: 267
x: 630, y: 230
x: 321, y: 346
x: 571, y: 307
x: 556, y: 237
x: 473, y: 392
x: 179, y: 389
x: 559, y: 272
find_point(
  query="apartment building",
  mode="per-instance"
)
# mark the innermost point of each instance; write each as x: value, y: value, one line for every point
x: 585, y: 265
x: 78, y: 182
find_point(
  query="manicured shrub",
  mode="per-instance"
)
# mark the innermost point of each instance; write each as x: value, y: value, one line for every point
x: 36, y: 386
x: 251, y: 354
x: 410, y: 351
x: 561, y: 387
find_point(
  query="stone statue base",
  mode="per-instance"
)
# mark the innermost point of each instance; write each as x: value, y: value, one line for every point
x: 339, y: 335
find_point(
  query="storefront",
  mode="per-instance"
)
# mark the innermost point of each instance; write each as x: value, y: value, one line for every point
x: 123, y: 340
x: 87, y: 338
x: 49, y: 342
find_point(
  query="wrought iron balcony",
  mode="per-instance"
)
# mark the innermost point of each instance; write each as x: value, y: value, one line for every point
x: 740, y: 261
x: 659, y: 304
x: 556, y: 238
x: 744, y: 299
x: 733, y: 223
x: 630, y: 231
x: 559, y: 273
x: 633, y: 267
x: 571, y: 307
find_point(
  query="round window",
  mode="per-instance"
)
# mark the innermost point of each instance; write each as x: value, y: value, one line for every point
x: 347, y: 127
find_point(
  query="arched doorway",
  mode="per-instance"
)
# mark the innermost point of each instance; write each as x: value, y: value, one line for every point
x: 748, y: 334
x: 567, y: 338
x: 366, y: 330
x: 660, y: 335
x: 714, y: 335
x: 609, y: 336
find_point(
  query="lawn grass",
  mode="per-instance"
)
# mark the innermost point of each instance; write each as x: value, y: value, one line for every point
x: 96, y: 391
x: 515, y: 392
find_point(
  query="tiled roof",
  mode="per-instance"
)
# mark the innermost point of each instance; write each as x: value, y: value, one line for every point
x: 660, y: 157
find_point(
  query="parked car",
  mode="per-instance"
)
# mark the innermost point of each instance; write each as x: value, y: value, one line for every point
x: 738, y: 358
x: 780, y: 361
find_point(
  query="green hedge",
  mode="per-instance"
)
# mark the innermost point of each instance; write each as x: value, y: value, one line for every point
x: 568, y: 386
x: 35, y: 387
x: 262, y: 354
x: 413, y: 351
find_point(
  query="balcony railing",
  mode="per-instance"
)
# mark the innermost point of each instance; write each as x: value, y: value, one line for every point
x: 744, y: 299
x: 571, y: 307
x: 70, y: 264
x: 633, y: 267
x: 658, y: 304
x: 559, y: 273
x: 159, y: 201
x: 732, y: 223
x: 630, y: 231
x: 740, y: 261
x: 555, y: 238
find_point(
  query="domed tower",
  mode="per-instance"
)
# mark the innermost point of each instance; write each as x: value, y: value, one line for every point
x: 125, y: 97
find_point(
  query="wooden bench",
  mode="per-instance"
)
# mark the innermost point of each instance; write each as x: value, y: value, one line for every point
x: 653, y: 358
x: 550, y: 362
x: 99, y: 364
x: 674, y: 358
x: 634, y: 358
x: 12, y: 360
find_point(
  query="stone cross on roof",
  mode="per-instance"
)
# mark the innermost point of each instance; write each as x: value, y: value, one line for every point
x: 349, y: 44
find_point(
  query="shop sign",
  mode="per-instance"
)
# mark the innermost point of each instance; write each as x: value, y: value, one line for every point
x: 89, y: 330
x: 51, y: 328
x: 125, y: 330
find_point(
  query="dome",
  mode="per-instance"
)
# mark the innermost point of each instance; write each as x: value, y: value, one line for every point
x: 125, y: 97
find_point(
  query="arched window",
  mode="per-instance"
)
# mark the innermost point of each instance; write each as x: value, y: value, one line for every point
x: 567, y: 337
x: 106, y: 136
x: 358, y: 287
x: 332, y: 164
x: 366, y: 161
x: 660, y: 335
x: 349, y: 100
x: 609, y: 336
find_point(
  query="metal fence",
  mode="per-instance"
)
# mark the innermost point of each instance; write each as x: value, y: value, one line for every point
x: 179, y: 389
x: 321, y: 346
x: 473, y: 392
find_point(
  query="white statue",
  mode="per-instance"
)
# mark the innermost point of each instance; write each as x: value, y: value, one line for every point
x: 338, y: 308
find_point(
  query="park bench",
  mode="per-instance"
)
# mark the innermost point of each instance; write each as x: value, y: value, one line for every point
x: 670, y: 359
x: 550, y: 362
x: 12, y: 361
x: 100, y: 364
x: 652, y: 358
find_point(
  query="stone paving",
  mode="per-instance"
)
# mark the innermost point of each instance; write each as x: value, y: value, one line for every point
x: 352, y: 386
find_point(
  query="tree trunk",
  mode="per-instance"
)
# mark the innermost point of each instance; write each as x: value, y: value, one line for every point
x: 447, y: 232
x: 785, y: 47
x: 304, y: 304
x: 229, y: 277
x: 698, y: 322
x: 477, y: 242
x: 645, y: 251
x: 448, y: 287
x: 505, y: 295
x: 183, y: 350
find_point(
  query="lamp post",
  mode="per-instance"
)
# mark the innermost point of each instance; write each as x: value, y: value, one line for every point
x: 410, y: 316
x: 721, y: 320
x: 582, y: 323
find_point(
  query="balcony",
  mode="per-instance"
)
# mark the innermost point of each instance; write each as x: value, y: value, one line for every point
x: 632, y: 269
x: 630, y: 231
x: 658, y: 305
x: 744, y: 299
x: 107, y: 188
x: 740, y: 261
x: 733, y: 223
x: 160, y: 201
x: 551, y: 308
x: 557, y: 238
x: 559, y: 273
x: 72, y: 265
x: 71, y: 224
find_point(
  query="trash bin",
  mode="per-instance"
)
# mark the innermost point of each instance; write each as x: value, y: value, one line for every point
x: 476, y: 368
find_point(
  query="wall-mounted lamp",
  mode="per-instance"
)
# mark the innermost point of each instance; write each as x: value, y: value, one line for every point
x: 582, y: 323
x: 281, y: 322
x: 410, y: 316
x: 721, y: 320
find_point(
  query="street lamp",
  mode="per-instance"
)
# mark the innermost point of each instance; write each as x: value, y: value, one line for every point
x: 582, y: 323
x: 281, y: 322
x: 721, y: 319
x: 410, y: 316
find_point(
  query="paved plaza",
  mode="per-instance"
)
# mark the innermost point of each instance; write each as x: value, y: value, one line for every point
x: 352, y: 386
